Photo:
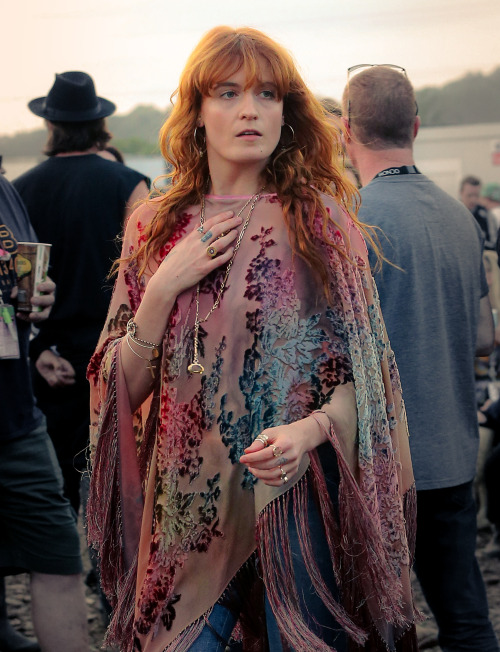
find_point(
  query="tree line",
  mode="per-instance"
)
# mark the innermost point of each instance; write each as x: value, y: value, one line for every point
x: 471, y: 99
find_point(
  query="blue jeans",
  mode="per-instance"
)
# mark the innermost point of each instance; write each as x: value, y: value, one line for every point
x: 448, y: 572
x: 214, y: 637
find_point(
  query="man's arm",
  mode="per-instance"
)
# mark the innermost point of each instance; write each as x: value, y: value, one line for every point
x: 485, y: 329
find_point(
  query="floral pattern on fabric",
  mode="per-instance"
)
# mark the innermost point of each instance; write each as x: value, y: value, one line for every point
x: 273, y: 352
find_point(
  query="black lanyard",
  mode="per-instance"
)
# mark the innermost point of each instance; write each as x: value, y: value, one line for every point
x: 396, y: 172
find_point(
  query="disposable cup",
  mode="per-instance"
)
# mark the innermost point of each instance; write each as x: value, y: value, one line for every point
x: 32, y: 263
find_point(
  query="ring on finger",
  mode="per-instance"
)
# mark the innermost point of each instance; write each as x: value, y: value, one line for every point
x: 200, y: 229
x: 276, y: 451
x: 211, y: 251
x: 263, y: 439
x: 283, y: 476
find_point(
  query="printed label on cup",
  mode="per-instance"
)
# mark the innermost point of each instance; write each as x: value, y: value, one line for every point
x: 32, y: 264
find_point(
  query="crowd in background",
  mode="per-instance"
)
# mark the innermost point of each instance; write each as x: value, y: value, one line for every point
x: 439, y: 289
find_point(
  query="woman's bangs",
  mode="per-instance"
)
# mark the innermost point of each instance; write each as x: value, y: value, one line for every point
x: 219, y: 68
x: 226, y: 62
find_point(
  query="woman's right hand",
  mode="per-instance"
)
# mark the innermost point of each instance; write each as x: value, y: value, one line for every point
x: 183, y: 267
x: 188, y: 262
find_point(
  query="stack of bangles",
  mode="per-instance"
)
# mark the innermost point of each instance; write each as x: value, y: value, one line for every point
x: 151, y: 346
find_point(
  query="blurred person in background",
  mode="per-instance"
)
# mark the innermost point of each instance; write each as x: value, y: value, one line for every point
x: 77, y: 201
x: 38, y: 531
x: 470, y: 196
x: 490, y: 199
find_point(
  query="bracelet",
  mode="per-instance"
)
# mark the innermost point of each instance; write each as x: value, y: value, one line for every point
x: 148, y: 345
x: 315, y: 412
x: 154, y: 351
x: 132, y: 330
x: 149, y: 365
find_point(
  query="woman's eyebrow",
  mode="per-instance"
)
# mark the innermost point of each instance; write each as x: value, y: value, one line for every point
x: 229, y: 84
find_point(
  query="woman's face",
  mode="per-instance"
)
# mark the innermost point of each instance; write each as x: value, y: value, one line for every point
x: 242, y: 126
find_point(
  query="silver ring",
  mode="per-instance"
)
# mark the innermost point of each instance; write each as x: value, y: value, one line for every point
x: 284, y: 476
x: 263, y: 438
x: 212, y: 251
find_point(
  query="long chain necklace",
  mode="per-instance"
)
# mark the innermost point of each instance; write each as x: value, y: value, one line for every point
x: 196, y: 367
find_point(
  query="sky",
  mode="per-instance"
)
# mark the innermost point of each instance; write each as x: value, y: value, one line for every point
x: 135, y: 50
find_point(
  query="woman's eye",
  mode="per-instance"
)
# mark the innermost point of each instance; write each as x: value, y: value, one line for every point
x: 228, y: 94
x: 268, y: 94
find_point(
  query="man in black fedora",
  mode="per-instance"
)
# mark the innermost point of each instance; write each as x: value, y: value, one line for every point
x: 77, y: 201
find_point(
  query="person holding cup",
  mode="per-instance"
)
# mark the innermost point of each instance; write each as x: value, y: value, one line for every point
x: 38, y: 532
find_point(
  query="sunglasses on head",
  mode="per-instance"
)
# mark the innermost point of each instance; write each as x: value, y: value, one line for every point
x: 362, y: 66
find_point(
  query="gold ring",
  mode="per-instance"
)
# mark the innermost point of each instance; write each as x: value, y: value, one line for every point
x: 263, y: 438
x: 284, y: 476
x: 212, y: 251
x: 276, y: 451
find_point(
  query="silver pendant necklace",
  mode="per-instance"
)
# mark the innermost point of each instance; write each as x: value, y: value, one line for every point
x: 196, y: 367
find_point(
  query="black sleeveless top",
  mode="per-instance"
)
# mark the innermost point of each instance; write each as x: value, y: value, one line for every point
x: 77, y: 204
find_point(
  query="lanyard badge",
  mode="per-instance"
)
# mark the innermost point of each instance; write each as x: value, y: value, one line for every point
x: 9, y: 340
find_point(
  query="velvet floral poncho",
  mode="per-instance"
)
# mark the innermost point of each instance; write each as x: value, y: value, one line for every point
x: 177, y: 520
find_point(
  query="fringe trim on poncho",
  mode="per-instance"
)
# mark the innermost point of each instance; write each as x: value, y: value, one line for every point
x: 114, y: 515
x: 359, y: 557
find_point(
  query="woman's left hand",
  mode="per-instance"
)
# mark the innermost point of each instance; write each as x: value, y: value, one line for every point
x: 277, y: 462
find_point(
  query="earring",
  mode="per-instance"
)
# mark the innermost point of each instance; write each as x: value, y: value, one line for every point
x: 283, y: 146
x: 201, y: 150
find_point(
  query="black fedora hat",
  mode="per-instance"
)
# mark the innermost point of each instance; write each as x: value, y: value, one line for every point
x: 72, y: 98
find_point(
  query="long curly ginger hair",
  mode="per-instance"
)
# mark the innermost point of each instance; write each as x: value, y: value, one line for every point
x: 299, y: 169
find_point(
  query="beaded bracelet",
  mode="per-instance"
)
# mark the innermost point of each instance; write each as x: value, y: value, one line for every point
x: 132, y: 330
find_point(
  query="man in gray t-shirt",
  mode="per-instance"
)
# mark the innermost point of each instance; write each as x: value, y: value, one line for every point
x: 434, y: 299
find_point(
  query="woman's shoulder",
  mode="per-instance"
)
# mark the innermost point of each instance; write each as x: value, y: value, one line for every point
x: 345, y: 227
x: 339, y: 215
x: 143, y: 214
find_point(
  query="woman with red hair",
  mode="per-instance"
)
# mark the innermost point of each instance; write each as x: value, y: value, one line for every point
x: 252, y: 486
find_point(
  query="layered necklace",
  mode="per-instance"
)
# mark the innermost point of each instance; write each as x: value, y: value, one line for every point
x: 196, y: 367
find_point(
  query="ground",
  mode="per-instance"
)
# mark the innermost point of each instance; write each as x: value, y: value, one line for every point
x: 19, y: 603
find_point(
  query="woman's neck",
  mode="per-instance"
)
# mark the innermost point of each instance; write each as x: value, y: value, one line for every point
x: 235, y: 182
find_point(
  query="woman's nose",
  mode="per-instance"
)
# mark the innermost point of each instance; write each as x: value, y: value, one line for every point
x: 248, y: 108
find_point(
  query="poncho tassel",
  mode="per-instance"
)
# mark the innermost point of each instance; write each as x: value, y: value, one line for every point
x: 277, y: 569
x: 359, y: 556
x: 366, y: 559
x: 105, y: 527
